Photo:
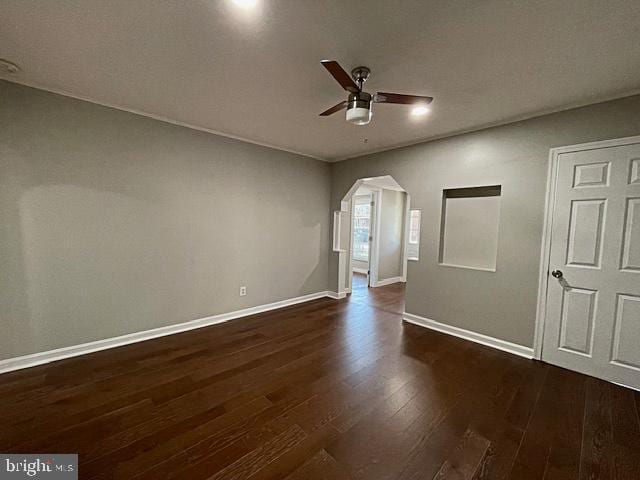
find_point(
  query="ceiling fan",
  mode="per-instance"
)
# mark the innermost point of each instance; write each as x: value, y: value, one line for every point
x: 358, y: 104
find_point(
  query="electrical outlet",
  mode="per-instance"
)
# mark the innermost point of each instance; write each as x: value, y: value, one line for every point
x: 243, y: 291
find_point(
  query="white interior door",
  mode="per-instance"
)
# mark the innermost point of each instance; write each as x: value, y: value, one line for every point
x: 592, y: 321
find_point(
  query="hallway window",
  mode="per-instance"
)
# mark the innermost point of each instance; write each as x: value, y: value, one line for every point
x: 414, y: 234
x: 361, y: 227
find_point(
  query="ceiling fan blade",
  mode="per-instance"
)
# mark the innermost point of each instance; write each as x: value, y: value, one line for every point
x: 334, y: 109
x: 384, y: 97
x: 342, y: 77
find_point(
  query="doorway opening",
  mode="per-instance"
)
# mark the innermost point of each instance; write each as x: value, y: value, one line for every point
x: 362, y: 215
x: 372, y: 233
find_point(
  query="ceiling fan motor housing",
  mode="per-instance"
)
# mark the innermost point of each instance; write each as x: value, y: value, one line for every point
x: 358, y: 104
x: 359, y: 108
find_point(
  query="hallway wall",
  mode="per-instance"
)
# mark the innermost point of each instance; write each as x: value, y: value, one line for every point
x: 392, y: 218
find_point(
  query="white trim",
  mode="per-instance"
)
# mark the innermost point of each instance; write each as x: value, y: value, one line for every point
x: 465, y: 267
x: 337, y: 231
x: 405, y: 236
x: 40, y: 358
x: 350, y: 259
x: 344, y: 263
x: 545, y: 253
x: 374, y: 251
x: 344, y: 204
x: 160, y: 118
x: 625, y: 386
x: 505, y: 346
x: 336, y: 296
x: 360, y: 270
x: 388, y: 281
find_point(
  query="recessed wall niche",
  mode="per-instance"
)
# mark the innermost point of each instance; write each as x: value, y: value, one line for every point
x: 469, y: 227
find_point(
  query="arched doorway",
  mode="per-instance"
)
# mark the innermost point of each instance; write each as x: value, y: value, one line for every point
x: 371, y: 234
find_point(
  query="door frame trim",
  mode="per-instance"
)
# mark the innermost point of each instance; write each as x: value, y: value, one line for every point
x: 545, y: 251
x: 372, y: 262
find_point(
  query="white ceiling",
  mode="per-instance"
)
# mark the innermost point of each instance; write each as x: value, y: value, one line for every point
x: 256, y: 74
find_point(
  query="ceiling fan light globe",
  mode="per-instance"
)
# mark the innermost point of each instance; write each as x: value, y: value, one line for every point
x: 359, y: 115
x: 420, y: 110
x: 246, y: 4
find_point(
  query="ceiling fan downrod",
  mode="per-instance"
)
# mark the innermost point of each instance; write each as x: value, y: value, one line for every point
x: 360, y: 75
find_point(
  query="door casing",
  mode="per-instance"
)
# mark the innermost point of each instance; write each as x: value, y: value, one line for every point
x: 372, y: 276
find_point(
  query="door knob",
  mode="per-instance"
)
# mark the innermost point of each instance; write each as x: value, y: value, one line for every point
x: 557, y: 273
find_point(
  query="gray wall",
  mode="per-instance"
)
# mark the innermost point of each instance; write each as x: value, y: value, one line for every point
x: 112, y: 223
x: 392, y: 218
x: 502, y: 303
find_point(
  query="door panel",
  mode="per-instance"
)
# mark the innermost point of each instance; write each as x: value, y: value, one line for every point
x: 626, y: 350
x: 585, y: 232
x: 631, y: 245
x: 591, y: 175
x: 634, y: 174
x: 592, y: 320
x: 578, y: 312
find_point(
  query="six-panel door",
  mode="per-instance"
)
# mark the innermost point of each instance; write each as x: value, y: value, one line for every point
x: 593, y: 309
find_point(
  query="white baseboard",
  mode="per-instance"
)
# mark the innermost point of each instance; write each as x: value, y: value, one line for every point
x: 514, y: 348
x: 336, y: 296
x: 360, y: 270
x: 40, y: 358
x: 388, y: 281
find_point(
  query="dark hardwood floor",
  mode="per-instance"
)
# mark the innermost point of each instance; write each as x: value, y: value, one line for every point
x: 389, y: 298
x: 324, y: 390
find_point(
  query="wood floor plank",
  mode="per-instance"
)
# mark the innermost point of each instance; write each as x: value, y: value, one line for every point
x: 488, y: 394
x: 321, y: 466
x: 563, y: 462
x: 498, y: 459
x: 295, y: 457
x: 384, y: 442
x: 625, y: 433
x: 334, y: 390
x: 259, y: 458
x: 160, y: 444
x: 597, y: 439
x: 466, y: 458
x: 490, y: 421
x: 541, y: 430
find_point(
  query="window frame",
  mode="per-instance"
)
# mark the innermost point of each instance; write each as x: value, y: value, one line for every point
x: 414, y: 245
x: 354, y: 255
x: 411, y: 226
